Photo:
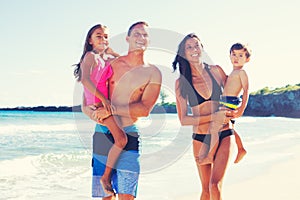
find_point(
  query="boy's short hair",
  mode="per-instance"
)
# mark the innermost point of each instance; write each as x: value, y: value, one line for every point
x: 239, y: 46
x: 135, y: 24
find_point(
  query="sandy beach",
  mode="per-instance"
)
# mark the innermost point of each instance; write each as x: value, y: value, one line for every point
x: 279, y: 182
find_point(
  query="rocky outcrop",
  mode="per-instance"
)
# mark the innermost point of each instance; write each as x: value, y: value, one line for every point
x: 285, y: 104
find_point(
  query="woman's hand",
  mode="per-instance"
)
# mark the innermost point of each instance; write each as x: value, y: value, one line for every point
x: 222, y: 116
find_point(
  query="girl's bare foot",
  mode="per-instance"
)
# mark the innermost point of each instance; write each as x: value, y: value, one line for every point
x: 241, y: 153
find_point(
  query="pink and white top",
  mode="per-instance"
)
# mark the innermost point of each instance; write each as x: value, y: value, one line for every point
x: 99, y: 76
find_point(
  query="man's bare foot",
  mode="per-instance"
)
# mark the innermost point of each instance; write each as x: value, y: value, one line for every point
x: 241, y: 153
x: 207, y: 160
x: 106, y: 185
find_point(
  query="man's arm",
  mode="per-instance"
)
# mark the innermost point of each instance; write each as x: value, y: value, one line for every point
x: 149, y: 97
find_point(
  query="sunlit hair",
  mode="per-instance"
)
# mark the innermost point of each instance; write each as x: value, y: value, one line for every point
x: 135, y: 24
x: 185, y: 79
x: 239, y: 46
x: 87, y: 47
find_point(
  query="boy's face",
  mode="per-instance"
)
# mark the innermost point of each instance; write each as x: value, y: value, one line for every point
x: 238, y: 58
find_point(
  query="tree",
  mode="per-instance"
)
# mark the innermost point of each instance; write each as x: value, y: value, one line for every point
x: 163, y: 95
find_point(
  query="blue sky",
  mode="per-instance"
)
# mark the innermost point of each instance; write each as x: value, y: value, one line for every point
x: 41, y: 39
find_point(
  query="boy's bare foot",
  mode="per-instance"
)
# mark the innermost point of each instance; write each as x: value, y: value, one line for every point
x: 106, y: 185
x: 207, y: 160
x: 241, y: 153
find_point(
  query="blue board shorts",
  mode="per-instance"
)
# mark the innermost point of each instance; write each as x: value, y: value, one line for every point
x: 124, y: 176
x: 231, y: 102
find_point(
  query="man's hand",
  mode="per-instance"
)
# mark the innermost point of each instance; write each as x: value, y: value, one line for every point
x: 100, y: 115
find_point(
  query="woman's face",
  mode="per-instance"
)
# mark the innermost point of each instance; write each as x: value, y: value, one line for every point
x: 193, y: 50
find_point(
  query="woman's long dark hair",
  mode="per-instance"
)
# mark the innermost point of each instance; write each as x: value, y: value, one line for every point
x: 185, y: 79
x: 87, y: 47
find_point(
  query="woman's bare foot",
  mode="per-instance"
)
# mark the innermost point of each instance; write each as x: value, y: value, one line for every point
x: 241, y: 153
x: 106, y: 185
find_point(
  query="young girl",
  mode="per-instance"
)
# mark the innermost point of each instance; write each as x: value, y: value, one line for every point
x: 93, y: 71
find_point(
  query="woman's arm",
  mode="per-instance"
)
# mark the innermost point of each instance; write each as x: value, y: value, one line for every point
x: 219, y: 74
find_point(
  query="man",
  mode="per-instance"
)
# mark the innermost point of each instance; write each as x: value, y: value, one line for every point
x: 134, y: 89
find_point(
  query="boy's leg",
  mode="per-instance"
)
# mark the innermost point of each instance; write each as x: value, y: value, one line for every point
x: 120, y: 141
x: 241, y: 150
x: 214, y: 128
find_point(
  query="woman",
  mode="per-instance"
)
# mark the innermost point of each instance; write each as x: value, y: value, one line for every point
x: 200, y: 87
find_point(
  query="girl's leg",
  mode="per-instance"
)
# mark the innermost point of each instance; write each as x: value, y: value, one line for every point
x: 120, y: 141
x: 125, y: 197
x: 219, y: 167
x: 241, y: 150
x: 113, y: 197
x: 200, y: 150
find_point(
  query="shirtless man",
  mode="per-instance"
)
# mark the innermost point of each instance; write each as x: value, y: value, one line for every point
x: 134, y: 89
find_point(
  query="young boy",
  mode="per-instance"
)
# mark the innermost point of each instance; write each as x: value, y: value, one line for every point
x: 235, y: 83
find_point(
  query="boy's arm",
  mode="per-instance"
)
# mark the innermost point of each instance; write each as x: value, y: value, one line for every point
x: 245, y: 87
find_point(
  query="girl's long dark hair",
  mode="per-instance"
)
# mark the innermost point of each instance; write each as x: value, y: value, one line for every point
x: 185, y: 78
x: 87, y: 48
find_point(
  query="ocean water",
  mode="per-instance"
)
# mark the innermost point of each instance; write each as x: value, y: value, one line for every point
x: 47, y: 155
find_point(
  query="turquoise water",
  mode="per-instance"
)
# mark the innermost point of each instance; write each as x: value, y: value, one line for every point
x: 46, y: 155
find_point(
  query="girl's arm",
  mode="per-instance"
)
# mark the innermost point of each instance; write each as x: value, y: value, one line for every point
x: 111, y: 52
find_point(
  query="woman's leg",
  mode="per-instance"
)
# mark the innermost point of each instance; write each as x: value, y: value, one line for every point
x: 219, y: 167
x: 200, y: 150
x: 120, y: 141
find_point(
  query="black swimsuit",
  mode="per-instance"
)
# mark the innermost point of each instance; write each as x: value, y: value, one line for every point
x: 194, y: 98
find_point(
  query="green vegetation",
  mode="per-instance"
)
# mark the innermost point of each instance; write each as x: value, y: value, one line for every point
x: 267, y: 90
x: 163, y: 95
x: 168, y: 104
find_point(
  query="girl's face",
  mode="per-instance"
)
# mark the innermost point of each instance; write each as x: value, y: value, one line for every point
x: 193, y: 50
x: 238, y: 58
x: 99, y: 40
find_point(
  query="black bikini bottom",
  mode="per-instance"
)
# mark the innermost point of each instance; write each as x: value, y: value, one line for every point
x: 205, y: 138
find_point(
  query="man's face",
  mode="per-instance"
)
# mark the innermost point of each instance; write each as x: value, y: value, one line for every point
x: 138, y: 38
